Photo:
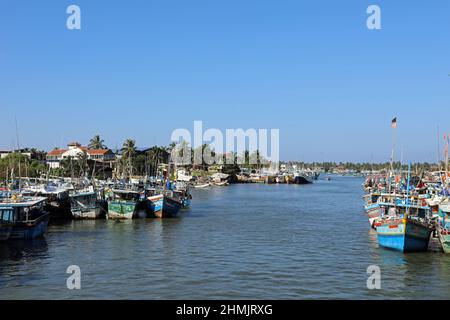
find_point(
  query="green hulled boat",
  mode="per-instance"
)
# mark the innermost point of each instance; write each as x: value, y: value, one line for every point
x: 125, y: 204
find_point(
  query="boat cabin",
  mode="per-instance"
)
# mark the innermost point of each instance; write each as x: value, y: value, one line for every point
x: 21, y: 209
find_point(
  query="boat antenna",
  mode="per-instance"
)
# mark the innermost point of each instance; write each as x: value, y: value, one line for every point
x: 20, y: 154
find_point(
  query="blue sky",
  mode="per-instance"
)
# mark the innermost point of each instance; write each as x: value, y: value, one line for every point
x: 312, y: 69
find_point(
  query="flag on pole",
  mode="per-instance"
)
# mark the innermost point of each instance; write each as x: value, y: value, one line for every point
x: 394, y: 123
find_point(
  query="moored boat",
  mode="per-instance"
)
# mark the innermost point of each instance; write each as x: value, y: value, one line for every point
x: 85, y: 205
x: 202, y: 186
x: 155, y: 205
x: 374, y: 212
x: 405, y: 234
x: 125, y: 204
x: 25, y: 217
x: 171, y: 207
x: 57, y: 202
x: 444, y: 227
x: 303, y: 178
x: 221, y: 184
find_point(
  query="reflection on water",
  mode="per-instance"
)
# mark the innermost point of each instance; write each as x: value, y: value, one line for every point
x: 22, y: 250
x: 239, y: 242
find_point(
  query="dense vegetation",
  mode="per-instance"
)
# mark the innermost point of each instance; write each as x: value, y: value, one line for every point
x: 130, y: 161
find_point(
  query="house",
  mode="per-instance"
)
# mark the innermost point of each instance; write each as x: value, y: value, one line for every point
x: 76, y: 151
x: 24, y: 152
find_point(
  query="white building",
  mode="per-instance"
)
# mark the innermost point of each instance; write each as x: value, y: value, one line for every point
x: 76, y: 151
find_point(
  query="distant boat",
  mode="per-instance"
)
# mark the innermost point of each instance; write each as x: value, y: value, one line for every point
x: 303, y: 178
x: 24, y: 218
x: 221, y: 184
x: 316, y: 175
x: 202, y: 186
x: 125, y: 204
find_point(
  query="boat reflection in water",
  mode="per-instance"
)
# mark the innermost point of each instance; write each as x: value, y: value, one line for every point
x: 19, y: 250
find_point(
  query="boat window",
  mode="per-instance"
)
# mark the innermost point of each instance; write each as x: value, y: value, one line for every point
x: 6, y: 215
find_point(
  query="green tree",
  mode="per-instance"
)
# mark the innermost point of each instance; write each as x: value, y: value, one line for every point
x: 128, y: 153
x: 97, y: 143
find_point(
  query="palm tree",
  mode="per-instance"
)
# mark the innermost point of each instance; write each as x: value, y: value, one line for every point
x: 128, y: 152
x: 155, y: 156
x: 97, y: 143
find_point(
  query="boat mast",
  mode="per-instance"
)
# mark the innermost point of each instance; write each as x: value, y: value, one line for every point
x: 408, y: 189
x: 447, y: 140
x: 394, y: 141
x: 20, y: 154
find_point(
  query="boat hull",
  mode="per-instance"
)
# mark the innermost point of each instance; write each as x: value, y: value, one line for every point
x: 5, y: 232
x: 302, y: 180
x: 92, y: 214
x: 444, y: 228
x: 403, y: 235
x: 155, y: 205
x: 444, y: 238
x: 373, y: 212
x: 121, y: 210
x: 29, y: 231
x: 171, y: 208
x: 59, y: 209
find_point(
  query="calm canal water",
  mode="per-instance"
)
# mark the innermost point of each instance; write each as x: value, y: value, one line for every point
x: 237, y: 242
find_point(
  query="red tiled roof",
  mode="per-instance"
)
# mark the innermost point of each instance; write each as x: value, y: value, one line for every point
x: 97, y: 152
x: 56, y: 152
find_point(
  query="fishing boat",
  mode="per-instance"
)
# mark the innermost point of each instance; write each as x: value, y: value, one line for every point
x: 125, y: 204
x: 58, y: 201
x: 372, y: 207
x: 171, y: 206
x: 404, y: 234
x: 184, y: 196
x: 302, y: 178
x: 85, y: 205
x: 155, y: 203
x: 24, y: 217
x: 444, y: 227
x: 202, y: 186
x: 221, y: 184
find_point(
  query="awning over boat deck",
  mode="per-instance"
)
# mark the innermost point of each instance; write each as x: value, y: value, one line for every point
x: 21, y: 202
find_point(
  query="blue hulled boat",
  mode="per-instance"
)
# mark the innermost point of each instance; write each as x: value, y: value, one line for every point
x: 155, y: 205
x: 403, y: 234
x: 171, y: 207
x: 24, y: 216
